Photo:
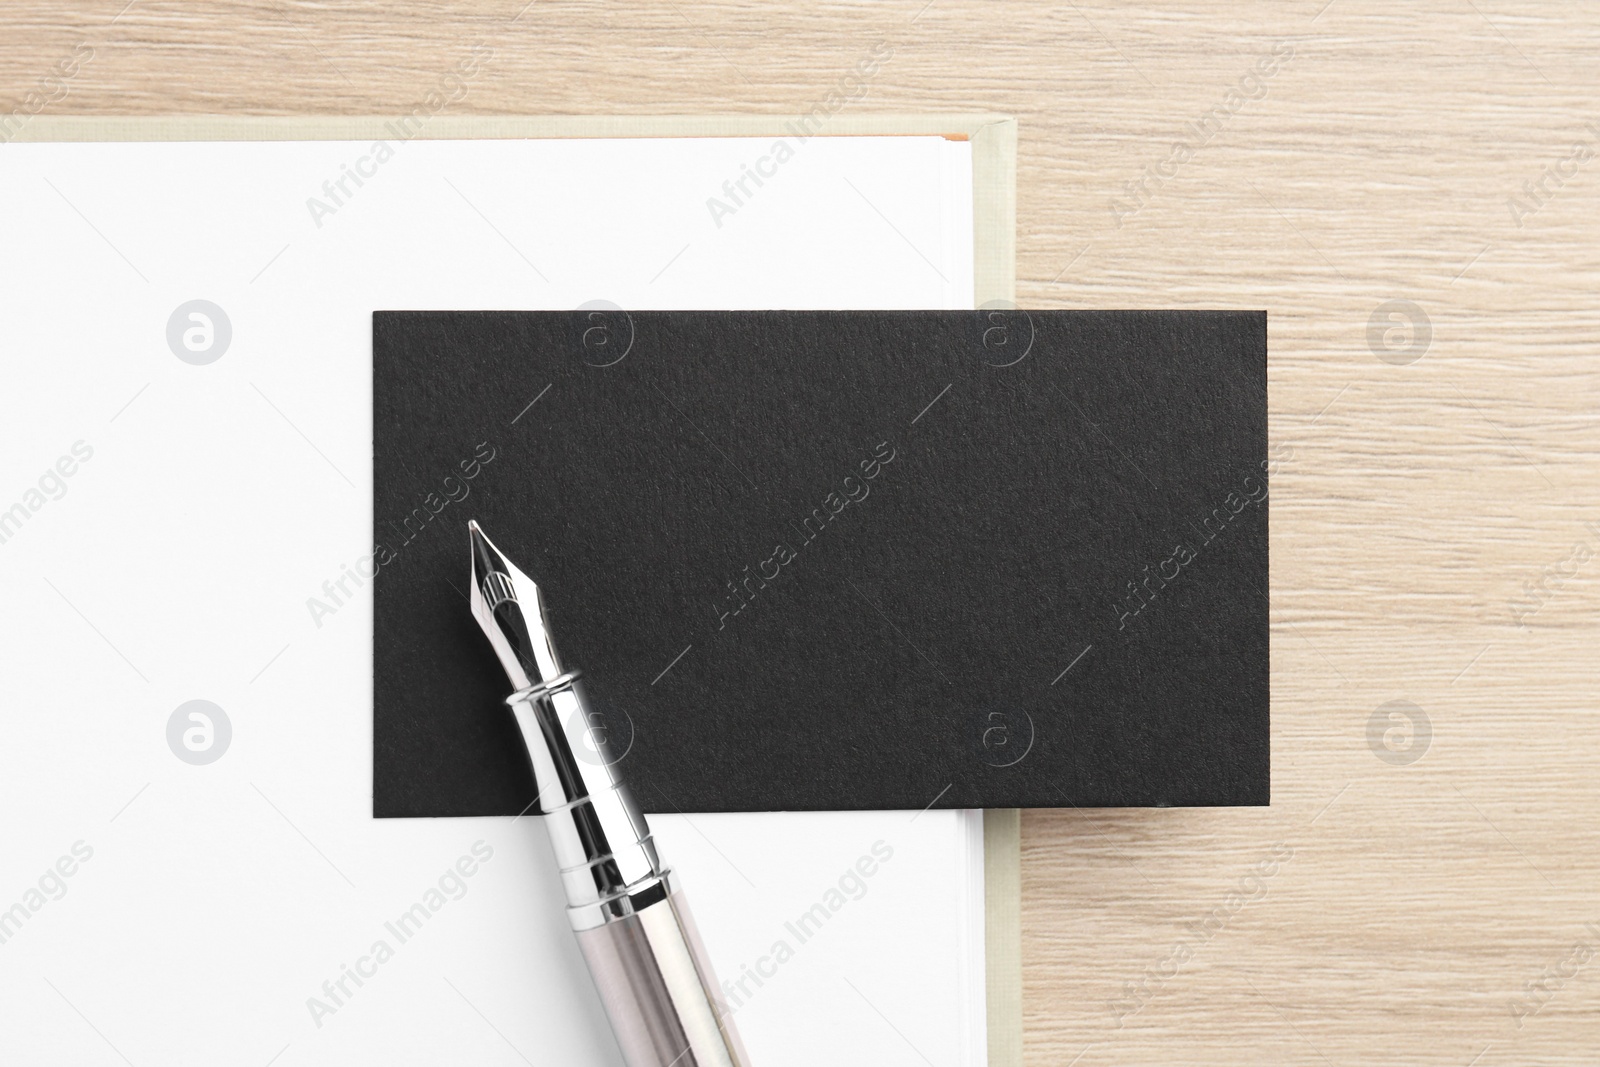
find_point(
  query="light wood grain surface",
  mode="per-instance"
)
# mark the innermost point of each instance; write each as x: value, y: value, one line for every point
x: 1435, y: 521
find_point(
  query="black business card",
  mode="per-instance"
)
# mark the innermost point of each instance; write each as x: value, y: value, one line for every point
x: 833, y: 560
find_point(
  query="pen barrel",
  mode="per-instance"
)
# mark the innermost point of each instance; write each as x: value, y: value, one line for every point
x: 634, y: 928
x: 658, y: 989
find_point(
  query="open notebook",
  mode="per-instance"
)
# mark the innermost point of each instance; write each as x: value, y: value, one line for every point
x: 189, y: 485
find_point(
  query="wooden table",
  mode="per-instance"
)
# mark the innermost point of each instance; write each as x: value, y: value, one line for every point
x: 1410, y: 190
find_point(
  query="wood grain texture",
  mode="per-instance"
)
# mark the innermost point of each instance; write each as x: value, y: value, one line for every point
x: 1429, y: 911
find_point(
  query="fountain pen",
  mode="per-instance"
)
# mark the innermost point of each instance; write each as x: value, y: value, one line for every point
x: 632, y: 922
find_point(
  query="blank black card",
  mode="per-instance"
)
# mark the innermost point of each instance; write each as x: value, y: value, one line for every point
x: 831, y: 560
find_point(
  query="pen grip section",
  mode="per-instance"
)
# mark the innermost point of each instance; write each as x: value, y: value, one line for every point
x: 603, y: 848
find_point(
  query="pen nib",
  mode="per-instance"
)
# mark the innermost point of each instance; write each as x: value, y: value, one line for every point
x: 510, y: 609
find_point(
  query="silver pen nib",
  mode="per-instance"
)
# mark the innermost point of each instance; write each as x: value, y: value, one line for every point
x: 509, y: 607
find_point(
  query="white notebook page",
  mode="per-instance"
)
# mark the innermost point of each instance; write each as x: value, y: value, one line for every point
x: 177, y: 515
